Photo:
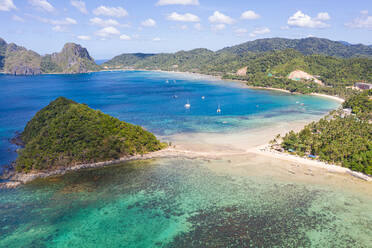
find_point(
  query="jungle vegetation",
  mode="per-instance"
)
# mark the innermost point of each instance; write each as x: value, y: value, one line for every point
x: 66, y: 133
x: 338, y: 139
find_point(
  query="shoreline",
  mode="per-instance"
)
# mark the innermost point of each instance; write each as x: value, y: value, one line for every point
x: 241, y: 82
x: 265, y: 150
x: 19, y: 179
x: 336, y: 98
x: 211, y: 77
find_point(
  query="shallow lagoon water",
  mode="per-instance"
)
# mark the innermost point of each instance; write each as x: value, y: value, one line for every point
x: 180, y: 203
x: 173, y: 202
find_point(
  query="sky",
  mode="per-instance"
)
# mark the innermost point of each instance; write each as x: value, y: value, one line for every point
x: 111, y: 27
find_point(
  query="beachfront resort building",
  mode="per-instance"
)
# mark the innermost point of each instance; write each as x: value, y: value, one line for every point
x: 363, y: 86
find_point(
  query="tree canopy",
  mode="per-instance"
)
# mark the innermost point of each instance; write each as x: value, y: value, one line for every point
x: 65, y: 133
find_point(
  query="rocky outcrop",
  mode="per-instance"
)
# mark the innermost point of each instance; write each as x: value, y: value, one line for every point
x: 17, y: 60
x: 20, y: 61
x: 301, y: 75
x: 242, y: 71
x: 72, y: 59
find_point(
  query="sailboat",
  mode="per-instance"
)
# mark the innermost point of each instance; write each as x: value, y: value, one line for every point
x: 187, y: 105
x: 203, y: 97
x: 167, y: 82
x: 219, y: 109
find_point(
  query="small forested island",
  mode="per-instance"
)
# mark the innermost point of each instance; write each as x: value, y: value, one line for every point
x: 67, y: 133
x: 344, y: 137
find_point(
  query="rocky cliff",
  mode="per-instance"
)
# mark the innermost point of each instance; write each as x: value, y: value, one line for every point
x: 18, y: 60
x: 72, y: 59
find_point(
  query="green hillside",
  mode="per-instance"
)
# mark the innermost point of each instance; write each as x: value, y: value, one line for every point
x: 336, y: 73
x: 306, y: 46
x: 65, y: 133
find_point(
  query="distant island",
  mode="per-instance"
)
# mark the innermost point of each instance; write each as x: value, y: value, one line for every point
x: 17, y: 60
x: 67, y: 133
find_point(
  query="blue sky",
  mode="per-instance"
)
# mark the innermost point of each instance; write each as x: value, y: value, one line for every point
x: 108, y: 28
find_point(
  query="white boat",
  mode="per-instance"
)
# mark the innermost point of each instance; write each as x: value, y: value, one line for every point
x: 203, y: 97
x: 167, y: 82
x: 219, y: 109
x: 187, y: 105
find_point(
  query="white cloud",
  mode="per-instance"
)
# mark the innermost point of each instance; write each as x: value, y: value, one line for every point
x: 324, y: 16
x: 110, y: 11
x: 59, y: 28
x: 183, y: 17
x: 241, y: 31
x: 42, y: 4
x: 107, y: 32
x: 249, y: 15
x: 103, y: 23
x: 284, y: 28
x: 17, y: 18
x: 66, y: 21
x: 84, y: 37
x: 179, y: 2
x: 218, y: 17
x: 7, y: 5
x: 125, y: 37
x: 184, y: 27
x: 300, y: 19
x: 58, y: 24
x: 364, y: 12
x: 198, y: 26
x: 363, y: 21
x: 80, y: 5
x: 156, y: 39
x: 259, y: 31
x: 218, y: 27
x: 149, y: 23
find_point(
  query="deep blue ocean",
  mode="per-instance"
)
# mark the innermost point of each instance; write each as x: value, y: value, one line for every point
x: 176, y: 202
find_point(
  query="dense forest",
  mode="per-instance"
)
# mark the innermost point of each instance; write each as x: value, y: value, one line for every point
x: 67, y: 133
x: 306, y: 46
x: 338, y: 138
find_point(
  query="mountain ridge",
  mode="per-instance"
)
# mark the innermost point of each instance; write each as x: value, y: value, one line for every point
x: 17, y: 60
x: 307, y: 46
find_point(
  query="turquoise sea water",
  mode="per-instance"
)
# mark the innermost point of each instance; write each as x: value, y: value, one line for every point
x: 144, y: 98
x: 172, y: 202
